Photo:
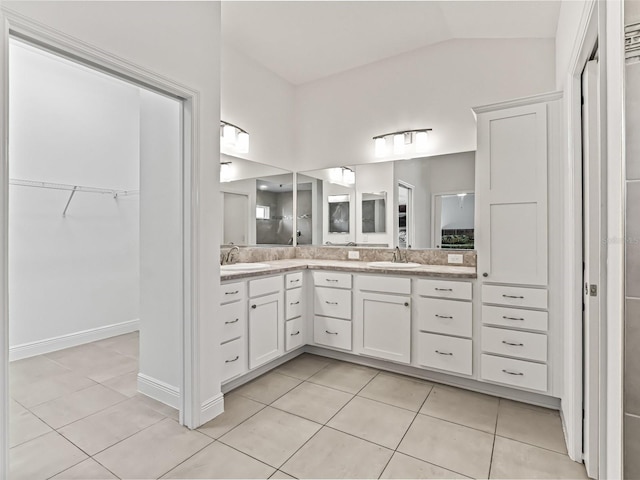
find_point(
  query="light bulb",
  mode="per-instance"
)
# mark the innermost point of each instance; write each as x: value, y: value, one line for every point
x: 381, y: 147
x: 422, y: 141
x: 225, y: 172
x: 243, y: 142
x: 335, y: 175
x: 349, y: 176
x: 229, y: 134
x: 398, y: 144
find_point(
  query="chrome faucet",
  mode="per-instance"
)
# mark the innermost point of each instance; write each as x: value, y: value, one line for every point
x: 397, y: 256
x: 228, y: 257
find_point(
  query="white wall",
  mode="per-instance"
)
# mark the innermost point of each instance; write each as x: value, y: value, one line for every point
x: 433, y: 87
x: 457, y: 212
x: 179, y: 41
x: 261, y: 103
x: 161, y: 297
x: 70, y: 274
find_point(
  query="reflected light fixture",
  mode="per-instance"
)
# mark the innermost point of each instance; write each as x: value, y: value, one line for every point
x: 342, y: 176
x: 234, y: 137
x: 225, y: 171
x: 407, y: 142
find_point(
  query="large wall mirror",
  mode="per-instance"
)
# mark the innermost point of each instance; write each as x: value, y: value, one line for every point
x: 419, y: 203
x: 257, y: 203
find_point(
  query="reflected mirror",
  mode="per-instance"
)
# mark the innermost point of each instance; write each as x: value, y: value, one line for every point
x: 338, y: 213
x: 374, y: 214
x: 257, y: 203
x: 405, y: 203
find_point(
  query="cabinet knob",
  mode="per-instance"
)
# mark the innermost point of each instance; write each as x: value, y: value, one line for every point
x: 485, y: 274
x: 254, y: 306
x: 406, y: 304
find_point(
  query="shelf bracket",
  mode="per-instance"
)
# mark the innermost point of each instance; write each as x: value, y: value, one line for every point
x: 73, y: 192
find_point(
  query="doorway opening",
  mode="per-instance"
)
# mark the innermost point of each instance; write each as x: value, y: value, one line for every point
x: 95, y: 254
x: 405, y: 215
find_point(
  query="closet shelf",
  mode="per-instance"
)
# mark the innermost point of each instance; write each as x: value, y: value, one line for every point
x: 73, y: 189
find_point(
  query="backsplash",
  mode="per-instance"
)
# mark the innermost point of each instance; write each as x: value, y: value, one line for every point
x: 426, y: 257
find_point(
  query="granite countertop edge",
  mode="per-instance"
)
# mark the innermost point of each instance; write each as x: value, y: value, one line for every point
x: 282, y: 266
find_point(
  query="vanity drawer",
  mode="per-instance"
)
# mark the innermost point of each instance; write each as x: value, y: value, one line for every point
x: 231, y: 292
x: 445, y: 353
x: 294, y: 336
x: 332, y: 332
x: 232, y: 317
x: 332, y: 279
x: 293, y: 305
x: 450, y: 317
x: 332, y: 302
x: 293, y: 280
x: 234, y: 361
x: 515, y: 296
x: 263, y: 286
x: 376, y: 283
x: 531, y: 346
x: 444, y: 289
x: 515, y: 317
x: 519, y: 373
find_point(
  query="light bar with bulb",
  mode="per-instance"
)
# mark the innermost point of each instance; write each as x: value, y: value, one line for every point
x: 234, y: 137
x: 406, y: 142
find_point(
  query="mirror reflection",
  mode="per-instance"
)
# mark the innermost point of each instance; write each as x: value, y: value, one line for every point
x: 374, y: 216
x: 418, y: 203
x: 257, y: 203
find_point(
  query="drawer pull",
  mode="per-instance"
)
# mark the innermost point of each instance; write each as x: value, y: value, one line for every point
x: 330, y: 280
x: 443, y: 353
x: 513, y: 344
x: 233, y: 360
x: 232, y: 321
x: 330, y: 303
x: 512, y: 373
x: 331, y: 333
x: 444, y: 289
x: 254, y: 306
x: 512, y: 296
x: 443, y: 316
x: 294, y: 334
x: 232, y: 293
x: 294, y: 303
x: 294, y: 281
x: 513, y: 318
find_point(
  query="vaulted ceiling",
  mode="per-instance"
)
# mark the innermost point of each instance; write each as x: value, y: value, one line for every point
x: 303, y: 41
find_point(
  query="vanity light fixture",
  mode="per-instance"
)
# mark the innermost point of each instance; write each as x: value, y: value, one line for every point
x: 234, y: 137
x: 342, y: 176
x: 401, y: 143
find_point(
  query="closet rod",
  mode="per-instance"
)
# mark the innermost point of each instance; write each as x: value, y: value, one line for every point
x: 72, y: 188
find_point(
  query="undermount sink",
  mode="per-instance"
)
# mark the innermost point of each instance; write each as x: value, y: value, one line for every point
x: 241, y: 267
x: 388, y: 264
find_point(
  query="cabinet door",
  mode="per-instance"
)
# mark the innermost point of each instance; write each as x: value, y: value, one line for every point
x: 511, y: 195
x: 386, y: 325
x: 266, y: 318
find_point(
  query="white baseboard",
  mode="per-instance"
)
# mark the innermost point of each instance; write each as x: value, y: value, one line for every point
x: 48, y: 345
x: 159, y: 390
x: 211, y: 408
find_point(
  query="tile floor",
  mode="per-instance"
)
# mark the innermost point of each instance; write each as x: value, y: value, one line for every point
x: 75, y: 414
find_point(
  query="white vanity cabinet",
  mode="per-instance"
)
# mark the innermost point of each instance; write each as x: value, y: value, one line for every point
x: 266, y: 320
x: 515, y: 143
x: 233, y: 327
x: 444, y: 319
x: 384, y: 317
x: 332, y: 309
x: 294, y: 330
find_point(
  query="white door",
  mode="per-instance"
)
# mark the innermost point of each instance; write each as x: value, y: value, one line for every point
x: 511, y: 179
x: 592, y: 246
x: 235, y: 218
x: 265, y: 331
x: 386, y: 327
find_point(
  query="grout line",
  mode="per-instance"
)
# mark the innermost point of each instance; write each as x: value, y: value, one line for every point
x: 493, y: 449
x: 190, y: 456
